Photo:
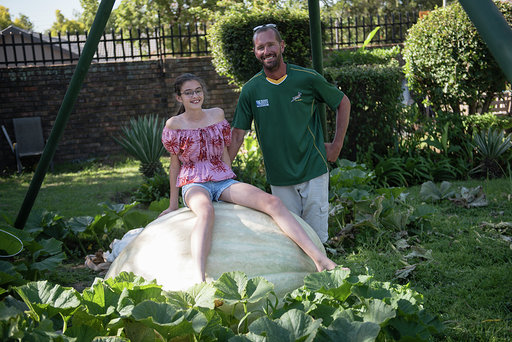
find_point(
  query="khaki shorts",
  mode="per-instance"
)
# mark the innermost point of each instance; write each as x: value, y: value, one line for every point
x: 310, y: 201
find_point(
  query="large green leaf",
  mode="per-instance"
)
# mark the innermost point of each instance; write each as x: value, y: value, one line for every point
x: 293, y: 325
x: 49, y: 263
x: 43, y: 297
x: 333, y: 283
x: 199, y: 295
x: 234, y: 287
x: 100, y: 300
x: 9, y: 273
x: 80, y: 224
x: 168, y: 321
x: 9, y: 311
x: 84, y: 332
x: 48, y: 247
x: 430, y: 192
x: 10, y: 244
x: 342, y: 330
x: 378, y: 312
x: 135, y: 219
x: 410, y: 330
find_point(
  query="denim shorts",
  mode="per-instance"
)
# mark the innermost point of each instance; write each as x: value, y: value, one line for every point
x: 214, y: 188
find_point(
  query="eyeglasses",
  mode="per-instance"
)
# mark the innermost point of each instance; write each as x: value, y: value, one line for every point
x: 263, y: 26
x: 191, y: 93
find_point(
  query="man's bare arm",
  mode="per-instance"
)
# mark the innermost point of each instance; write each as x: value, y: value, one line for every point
x: 237, y: 138
x: 342, y: 118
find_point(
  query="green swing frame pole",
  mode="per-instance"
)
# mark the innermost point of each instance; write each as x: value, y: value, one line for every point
x: 98, y: 26
x: 315, y: 33
x: 494, y: 30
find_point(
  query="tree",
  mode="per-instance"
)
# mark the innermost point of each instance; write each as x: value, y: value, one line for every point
x: 62, y: 24
x: 182, y: 11
x: 90, y: 8
x: 336, y: 8
x: 448, y: 63
x: 22, y: 21
x: 136, y: 14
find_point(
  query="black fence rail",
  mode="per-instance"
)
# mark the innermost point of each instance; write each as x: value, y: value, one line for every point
x: 353, y: 31
x: 22, y: 48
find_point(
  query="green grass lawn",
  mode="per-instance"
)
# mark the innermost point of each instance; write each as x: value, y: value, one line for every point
x: 466, y: 280
x: 74, y: 193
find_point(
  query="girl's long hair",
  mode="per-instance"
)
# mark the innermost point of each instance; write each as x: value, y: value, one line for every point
x: 180, y: 80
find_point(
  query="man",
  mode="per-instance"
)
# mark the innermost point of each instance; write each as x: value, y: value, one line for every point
x: 282, y: 99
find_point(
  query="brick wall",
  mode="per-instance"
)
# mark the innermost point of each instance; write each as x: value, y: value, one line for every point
x: 111, y: 94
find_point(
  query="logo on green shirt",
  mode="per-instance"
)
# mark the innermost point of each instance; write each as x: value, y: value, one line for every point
x: 262, y: 103
x: 297, y: 97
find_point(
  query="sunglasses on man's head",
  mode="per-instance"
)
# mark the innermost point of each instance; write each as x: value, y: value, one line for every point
x: 263, y: 26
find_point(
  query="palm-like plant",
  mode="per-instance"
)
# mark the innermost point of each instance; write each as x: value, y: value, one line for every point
x: 142, y: 140
x: 491, y: 146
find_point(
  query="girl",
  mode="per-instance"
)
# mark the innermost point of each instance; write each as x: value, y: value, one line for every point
x: 197, y: 140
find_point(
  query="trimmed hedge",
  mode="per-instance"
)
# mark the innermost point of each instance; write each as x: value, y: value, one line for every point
x: 231, y: 36
x: 448, y: 63
x: 375, y: 93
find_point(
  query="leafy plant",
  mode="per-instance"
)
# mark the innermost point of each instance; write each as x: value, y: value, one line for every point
x: 248, y: 164
x: 153, y: 189
x: 431, y: 192
x: 491, y: 146
x: 448, y: 64
x: 363, y: 214
x: 374, y: 92
x: 39, y: 256
x: 142, y: 140
x: 329, y: 305
x: 47, y: 234
x: 391, y: 171
x: 470, y: 197
x: 482, y: 122
x: 113, y: 222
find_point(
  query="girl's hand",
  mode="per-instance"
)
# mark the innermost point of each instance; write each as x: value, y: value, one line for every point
x: 168, y: 210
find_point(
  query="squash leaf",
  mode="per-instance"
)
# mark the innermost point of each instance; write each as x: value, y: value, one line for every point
x: 168, y: 321
x: 377, y: 311
x: 234, y: 287
x: 430, y: 192
x: 331, y: 283
x: 44, y: 298
x: 293, y: 325
x: 342, y: 330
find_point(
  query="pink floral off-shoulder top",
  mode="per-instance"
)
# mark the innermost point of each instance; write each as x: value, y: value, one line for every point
x: 200, y: 152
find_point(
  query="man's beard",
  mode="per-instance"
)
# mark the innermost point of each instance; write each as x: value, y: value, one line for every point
x: 272, y: 66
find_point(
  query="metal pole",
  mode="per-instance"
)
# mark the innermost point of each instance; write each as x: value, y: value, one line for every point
x: 494, y: 30
x: 98, y: 26
x: 315, y: 32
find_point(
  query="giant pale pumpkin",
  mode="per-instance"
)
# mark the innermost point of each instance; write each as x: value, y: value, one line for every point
x: 243, y: 240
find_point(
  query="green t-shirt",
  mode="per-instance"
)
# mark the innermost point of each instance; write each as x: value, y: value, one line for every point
x: 287, y: 122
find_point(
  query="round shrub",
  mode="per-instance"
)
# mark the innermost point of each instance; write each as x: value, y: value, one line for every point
x: 448, y: 63
x: 231, y: 38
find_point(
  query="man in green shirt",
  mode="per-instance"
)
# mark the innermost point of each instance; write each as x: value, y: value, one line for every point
x: 282, y: 100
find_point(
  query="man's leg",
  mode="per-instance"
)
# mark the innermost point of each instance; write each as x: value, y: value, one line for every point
x: 310, y: 201
x: 315, y: 205
x: 290, y: 196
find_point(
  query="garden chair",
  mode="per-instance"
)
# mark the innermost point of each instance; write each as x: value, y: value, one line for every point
x: 28, y: 133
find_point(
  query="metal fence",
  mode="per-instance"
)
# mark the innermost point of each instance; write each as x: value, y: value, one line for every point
x: 20, y: 47
x: 353, y: 31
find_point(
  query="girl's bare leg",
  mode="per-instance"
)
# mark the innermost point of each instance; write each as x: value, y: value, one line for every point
x: 199, y: 202
x: 253, y: 197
